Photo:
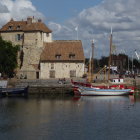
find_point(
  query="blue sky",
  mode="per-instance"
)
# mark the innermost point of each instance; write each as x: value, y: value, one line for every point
x: 62, y: 10
x: 94, y: 19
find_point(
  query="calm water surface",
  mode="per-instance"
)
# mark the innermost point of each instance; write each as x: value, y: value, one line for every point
x: 85, y: 118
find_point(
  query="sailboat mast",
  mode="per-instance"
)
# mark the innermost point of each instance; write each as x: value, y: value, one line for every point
x: 110, y: 55
x: 92, y: 60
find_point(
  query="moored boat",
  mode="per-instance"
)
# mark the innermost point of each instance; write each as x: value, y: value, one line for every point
x: 77, y: 85
x: 20, y: 91
x: 86, y: 91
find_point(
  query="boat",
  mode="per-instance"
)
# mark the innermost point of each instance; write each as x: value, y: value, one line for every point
x: 86, y: 91
x: 117, y: 89
x: 77, y: 85
x: 16, y: 91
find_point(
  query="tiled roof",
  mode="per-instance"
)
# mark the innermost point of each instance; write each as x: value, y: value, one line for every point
x: 25, y: 26
x: 38, y: 26
x: 63, y: 51
x: 14, y: 26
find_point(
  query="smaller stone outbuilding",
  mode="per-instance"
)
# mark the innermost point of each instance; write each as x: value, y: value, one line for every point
x: 62, y: 59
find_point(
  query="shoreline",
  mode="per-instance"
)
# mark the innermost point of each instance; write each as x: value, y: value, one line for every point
x: 53, y: 87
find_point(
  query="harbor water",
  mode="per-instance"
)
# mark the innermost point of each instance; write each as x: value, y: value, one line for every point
x: 70, y: 118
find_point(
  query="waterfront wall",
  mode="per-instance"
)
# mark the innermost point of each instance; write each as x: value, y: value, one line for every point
x: 53, y: 87
x: 44, y: 87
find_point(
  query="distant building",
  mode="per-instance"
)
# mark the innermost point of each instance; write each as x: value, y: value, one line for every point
x: 39, y: 53
x: 119, y: 61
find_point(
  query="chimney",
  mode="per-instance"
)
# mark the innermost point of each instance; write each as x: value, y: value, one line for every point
x: 29, y: 20
x: 39, y: 20
x: 12, y: 19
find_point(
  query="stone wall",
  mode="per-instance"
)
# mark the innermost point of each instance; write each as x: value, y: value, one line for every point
x: 34, y: 39
x: 33, y: 47
x: 11, y: 36
x: 47, y: 37
x: 62, y: 70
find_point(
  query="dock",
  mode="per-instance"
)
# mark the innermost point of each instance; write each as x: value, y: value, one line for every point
x: 44, y: 87
x: 52, y: 87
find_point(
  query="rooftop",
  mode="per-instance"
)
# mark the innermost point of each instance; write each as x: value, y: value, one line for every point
x: 26, y: 26
x: 63, y: 50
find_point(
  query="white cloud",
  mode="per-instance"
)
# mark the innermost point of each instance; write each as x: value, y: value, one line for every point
x: 17, y: 9
x: 55, y: 27
x: 93, y: 23
x: 96, y: 22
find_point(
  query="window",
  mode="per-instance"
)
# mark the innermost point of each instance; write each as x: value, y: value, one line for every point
x: 10, y: 28
x: 72, y: 73
x: 36, y: 41
x: 52, y: 65
x: 58, y: 56
x: 52, y: 74
x: 71, y: 56
x: 18, y: 37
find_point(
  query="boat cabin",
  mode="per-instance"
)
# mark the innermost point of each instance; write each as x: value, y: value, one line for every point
x: 117, y: 80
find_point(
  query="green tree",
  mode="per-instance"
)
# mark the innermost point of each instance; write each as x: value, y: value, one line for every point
x: 8, y: 57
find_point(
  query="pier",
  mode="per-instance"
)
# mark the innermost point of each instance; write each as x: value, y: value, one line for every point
x: 44, y: 87
x: 54, y: 88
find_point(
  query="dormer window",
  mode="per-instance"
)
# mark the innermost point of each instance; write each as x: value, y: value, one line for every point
x: 71, y: 56
x: 58, y: 56
x: 10, y: 28
x: 18, y: 27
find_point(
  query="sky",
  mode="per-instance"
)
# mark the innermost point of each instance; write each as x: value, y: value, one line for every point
x: 85, y: 20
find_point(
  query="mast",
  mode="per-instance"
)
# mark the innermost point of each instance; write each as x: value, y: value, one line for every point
x: 89, y: 70
x: 110, y: 54
x: 92, y: 60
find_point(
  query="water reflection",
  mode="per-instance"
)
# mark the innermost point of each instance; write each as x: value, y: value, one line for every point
x: 104, y: 117
x: 112, y: 99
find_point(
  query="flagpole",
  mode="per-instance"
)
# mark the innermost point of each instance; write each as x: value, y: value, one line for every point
x: 76, y: 29
x: 92, y: 60
x: 77, y: 34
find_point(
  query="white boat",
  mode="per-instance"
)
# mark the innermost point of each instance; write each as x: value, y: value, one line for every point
x: 86, y: 91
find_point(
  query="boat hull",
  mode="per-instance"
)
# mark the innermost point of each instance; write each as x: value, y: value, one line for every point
x: 14, y: 91
x: 103, y: 92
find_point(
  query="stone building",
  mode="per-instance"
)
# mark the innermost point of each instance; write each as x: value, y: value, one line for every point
x: 39, y: 53
x: 62, y: 59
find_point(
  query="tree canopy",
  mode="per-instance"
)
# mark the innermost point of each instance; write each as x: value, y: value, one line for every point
x: 8, y: 57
